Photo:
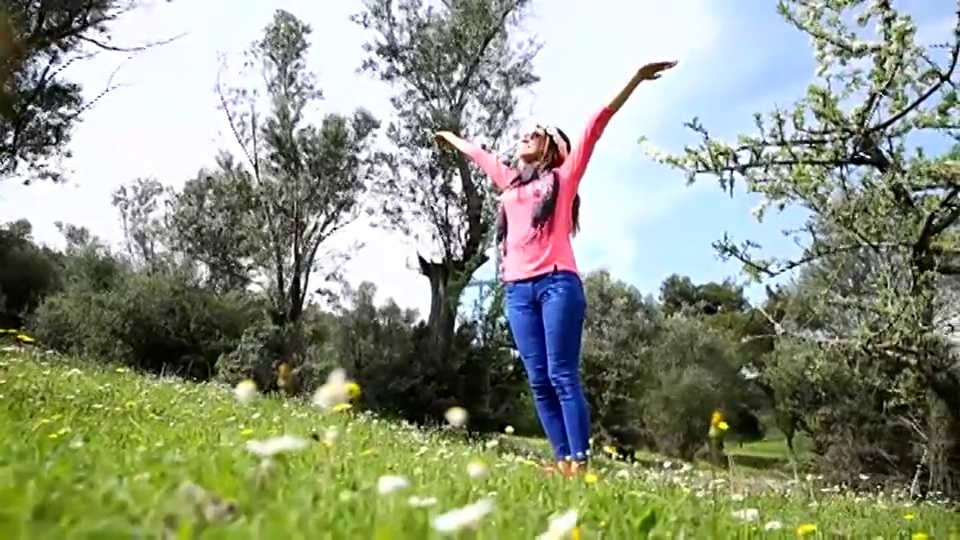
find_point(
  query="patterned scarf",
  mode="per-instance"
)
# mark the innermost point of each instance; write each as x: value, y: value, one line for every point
x: 540, y: 220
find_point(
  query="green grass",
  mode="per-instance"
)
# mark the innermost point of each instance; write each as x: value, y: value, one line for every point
x: 774, y: 446
x: 100, y: 453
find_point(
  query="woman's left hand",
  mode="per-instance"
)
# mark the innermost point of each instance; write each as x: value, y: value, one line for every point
x: 653, y: 70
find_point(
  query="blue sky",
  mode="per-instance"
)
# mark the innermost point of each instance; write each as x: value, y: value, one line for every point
x: 640, y: 221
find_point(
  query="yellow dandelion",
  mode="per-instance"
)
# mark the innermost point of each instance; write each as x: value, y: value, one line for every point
x: 23, y: 338
x: 723, y: 426
x: 590, y: 478
x: 716, y: 418
x: 353, y: 389
x: 920, y: 536
x: 341, y: 407
x: 806, y: 528
x: 909, y: 516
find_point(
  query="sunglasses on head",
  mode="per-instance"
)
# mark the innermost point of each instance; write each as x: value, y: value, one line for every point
x: 554, y: 135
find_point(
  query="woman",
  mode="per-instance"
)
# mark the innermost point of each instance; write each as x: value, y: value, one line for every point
x: 539, y: 208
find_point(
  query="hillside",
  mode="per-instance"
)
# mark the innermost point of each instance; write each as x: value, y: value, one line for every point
x: 97, y: 452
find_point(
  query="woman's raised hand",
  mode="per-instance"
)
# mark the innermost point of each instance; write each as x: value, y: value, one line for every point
x: 653, y: 70
x: 444, y: 136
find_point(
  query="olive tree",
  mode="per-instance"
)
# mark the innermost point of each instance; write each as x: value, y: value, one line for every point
x: 849, y: 154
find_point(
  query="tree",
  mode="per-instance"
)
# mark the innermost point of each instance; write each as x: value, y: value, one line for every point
x: 847, y: 153
x: 457, y: 67
x: 142, y: 220
x: 38, y: 107
x: 301, y: 183
x: 679, y: 292
x: 28, y: 273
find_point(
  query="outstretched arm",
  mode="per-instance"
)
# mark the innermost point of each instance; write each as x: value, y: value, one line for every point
x: 575, y: 165
x: 497, y: 171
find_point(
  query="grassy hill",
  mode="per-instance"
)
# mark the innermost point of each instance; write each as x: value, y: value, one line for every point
x: 97, y: 452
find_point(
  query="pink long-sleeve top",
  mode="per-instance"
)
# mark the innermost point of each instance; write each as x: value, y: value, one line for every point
x: 528, y: 255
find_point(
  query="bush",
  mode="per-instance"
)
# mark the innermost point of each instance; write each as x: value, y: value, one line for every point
x: 158, y: 323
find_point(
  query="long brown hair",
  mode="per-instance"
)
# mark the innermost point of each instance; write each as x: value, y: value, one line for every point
x: 550, y: 159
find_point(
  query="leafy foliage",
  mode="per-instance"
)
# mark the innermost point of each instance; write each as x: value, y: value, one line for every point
x: 300, y: 183
x: 39, y: 107
x: 882, y: 214
x: 457, y: 67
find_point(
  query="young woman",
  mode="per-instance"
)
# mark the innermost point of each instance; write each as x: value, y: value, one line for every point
x: 539, y: 213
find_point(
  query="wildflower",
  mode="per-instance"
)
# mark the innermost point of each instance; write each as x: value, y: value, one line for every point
x: 391, y: 483
x: 773, y: 526
x: 717, y: 425
x: 342, y: 407
x: 245, y: 391
x: 561, y: 525
x: 508, y: 430
x: 331, y: 436
x: 477, y: 469
x: 456, y: 416
x: 336, y: 391
x: 422, y: 502
x: 468, y: 516
x: 806, y: 528
x: 276, y: 445
x: 24, y: 338
x: 909, y: 516
x: 747, y: 514
x: 920, y: 536
x: 590, y: 478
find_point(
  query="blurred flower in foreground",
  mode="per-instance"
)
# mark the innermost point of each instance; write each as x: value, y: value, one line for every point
x: 422, y: 502
x: 477, y: 469
x: 806, y: 528
x: 456, y: 416
x: 276, y: 445
x: 561, y: 526
x: 391, y: 483
x: 467, y: 517
x: 336, y: 392
x: 246, y: 391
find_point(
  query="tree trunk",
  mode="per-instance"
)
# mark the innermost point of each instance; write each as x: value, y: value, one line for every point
x: 445, y: 292
x: 943, y: 448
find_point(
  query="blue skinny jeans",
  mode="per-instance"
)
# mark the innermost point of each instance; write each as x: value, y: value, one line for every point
x: 546, y: 315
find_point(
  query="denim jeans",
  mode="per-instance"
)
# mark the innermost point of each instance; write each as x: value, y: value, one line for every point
x: 546, y: 316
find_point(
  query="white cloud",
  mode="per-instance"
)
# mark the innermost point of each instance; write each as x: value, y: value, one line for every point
x: 164, y: 122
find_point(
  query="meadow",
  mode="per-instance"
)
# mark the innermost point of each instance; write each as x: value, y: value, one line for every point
x: 92, y: 451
